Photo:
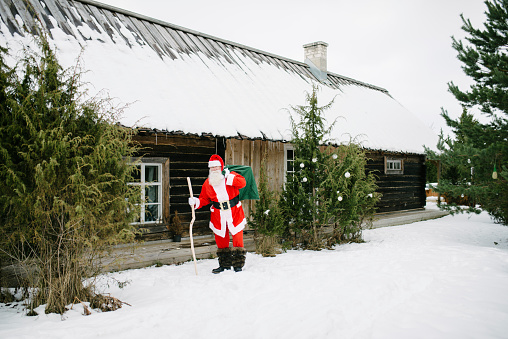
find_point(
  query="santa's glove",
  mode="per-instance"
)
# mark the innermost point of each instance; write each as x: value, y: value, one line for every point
x: 226, y: 172
x: 193, y: 201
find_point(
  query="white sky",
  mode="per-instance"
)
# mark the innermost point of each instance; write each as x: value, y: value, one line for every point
x: 401, y: 45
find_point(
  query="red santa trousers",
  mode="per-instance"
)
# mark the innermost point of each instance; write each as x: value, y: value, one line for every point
x: 223, y: 242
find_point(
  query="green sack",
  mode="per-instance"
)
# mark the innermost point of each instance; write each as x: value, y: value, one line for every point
x: 250, y: 191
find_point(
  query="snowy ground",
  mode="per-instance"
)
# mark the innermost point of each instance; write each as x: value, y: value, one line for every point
x: 443, y: 278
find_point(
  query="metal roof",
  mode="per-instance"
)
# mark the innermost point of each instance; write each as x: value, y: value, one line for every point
x: 166, y: 39
x: 177, y: 79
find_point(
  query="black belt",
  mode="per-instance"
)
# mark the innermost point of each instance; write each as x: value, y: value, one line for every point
x: 225, y: 205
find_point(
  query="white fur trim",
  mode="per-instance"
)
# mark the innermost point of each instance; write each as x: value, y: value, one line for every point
x: 214, y: 163
x: 226, y: 222
x: 226, y: 217
x: 229, y: 180
x: 233, y: 229
x: 221, y: 233
x: 220, y: 190
x: 237, y: 228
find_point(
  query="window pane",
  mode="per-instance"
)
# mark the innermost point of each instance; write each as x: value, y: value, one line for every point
x: 290, y: 166
x: 394, y: 165
x: 290, y: 154
x: 151, y: 213
x: 151, y: 173
x: 151, y: 194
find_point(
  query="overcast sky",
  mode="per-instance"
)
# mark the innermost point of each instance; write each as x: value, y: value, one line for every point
x: 401, y: 45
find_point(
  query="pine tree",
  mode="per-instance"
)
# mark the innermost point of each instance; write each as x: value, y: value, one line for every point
x: 64, y: 174
x: 475, y: 162
x: 302, y: 186
x: 329, y: 185
x: 348, y: 193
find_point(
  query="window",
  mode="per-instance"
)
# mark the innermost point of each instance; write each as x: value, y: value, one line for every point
x: 394, y: 166
x: 149, y: 178
x: 289, y: 159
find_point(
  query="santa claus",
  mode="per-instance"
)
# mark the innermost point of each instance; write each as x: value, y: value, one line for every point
x: 222, y: 190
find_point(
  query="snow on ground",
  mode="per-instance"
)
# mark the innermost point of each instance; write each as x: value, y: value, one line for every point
x: 443, y: 278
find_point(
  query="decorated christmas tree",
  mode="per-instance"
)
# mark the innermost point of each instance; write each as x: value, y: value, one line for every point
x: 328, y: 187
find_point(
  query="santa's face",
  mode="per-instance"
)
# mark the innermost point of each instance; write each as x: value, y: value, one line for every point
x: 215, y: 176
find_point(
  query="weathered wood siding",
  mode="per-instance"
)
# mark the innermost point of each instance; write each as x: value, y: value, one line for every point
x: 251, y: 153
x: 400, y: 191
x: 188, y: 157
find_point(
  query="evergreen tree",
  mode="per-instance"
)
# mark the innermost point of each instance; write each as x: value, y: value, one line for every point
x: 64, y: 174
x: 348, y: 193
x: 329, y: 185
x: 302, y: 186
x: 475, y: 162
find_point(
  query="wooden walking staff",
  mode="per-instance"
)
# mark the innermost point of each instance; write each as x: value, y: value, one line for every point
x: 190, y: 228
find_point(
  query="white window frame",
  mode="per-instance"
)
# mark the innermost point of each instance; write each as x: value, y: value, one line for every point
x: 394, y: 165
x: 143, y: 184
x: 288, y: 147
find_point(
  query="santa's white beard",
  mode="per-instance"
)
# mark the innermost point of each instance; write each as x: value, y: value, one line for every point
x: 215, y: 178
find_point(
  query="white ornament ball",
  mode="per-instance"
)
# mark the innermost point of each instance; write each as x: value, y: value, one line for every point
x: 304, y: 179
x: 347, y: 174
x: 302, y: 165
x: 314, y: 159
x: 334, y: 156
x: 340, y: 198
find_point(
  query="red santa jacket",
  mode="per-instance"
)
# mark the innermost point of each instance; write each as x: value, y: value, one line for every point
x: 223, y: 219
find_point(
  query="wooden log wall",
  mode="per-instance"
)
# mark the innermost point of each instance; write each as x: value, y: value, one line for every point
x: 400, y: 191
x: 188, y: 157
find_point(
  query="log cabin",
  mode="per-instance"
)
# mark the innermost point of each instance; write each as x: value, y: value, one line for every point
x: 190, y: 94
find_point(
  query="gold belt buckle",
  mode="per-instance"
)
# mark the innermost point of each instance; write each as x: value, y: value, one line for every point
x: 224, y: 205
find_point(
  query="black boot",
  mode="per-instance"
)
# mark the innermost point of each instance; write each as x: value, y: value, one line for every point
x: 224, y: 255
x: 238, y: 258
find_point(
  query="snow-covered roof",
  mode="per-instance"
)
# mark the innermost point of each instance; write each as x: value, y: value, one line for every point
x: 182, y: 80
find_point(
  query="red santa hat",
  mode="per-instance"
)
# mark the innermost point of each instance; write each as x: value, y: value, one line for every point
x: 216, y: 160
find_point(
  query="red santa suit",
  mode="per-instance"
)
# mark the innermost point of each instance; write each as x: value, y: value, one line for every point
x: 226, y: 209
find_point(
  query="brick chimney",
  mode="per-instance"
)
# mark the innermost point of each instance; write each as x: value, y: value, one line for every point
x: 316, y: 53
